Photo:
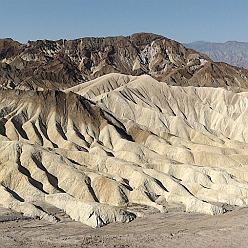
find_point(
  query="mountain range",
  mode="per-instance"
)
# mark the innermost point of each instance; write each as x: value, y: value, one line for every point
x: 45, y: 64
x: 97, y: 127
x: 231, y: 52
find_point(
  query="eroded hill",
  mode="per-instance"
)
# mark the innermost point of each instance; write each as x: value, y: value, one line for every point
x: 118, y: 140
x: 94, y: 126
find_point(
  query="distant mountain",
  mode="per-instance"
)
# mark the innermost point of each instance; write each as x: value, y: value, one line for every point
x: 231, y: 52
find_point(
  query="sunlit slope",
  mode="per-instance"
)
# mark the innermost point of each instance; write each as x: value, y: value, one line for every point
x: 119, y: 140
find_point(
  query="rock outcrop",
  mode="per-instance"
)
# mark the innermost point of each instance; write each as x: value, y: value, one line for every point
x: 61, y: 64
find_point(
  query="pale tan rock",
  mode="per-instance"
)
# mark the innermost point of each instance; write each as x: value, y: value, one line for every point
x: 120, y: 140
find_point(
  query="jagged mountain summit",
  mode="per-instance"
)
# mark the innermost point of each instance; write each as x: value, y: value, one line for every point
x: 79, y: 136
x: 231, y: 52
x: 61, y: 64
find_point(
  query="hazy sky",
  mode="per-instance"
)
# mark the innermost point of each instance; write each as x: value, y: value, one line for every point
x: 183, y: 20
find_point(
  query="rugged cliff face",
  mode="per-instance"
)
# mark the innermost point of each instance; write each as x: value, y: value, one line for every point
x: 61, y: 64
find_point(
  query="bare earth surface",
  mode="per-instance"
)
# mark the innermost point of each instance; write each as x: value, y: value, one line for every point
x: 173, y: 229
x: 77, y: 155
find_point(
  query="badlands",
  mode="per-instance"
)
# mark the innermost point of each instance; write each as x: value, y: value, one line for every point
x: 112, y: 130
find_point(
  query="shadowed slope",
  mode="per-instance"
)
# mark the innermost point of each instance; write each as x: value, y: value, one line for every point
x: 120, y: 140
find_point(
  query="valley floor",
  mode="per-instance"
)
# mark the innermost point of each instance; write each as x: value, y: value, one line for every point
x: 173, y: 229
